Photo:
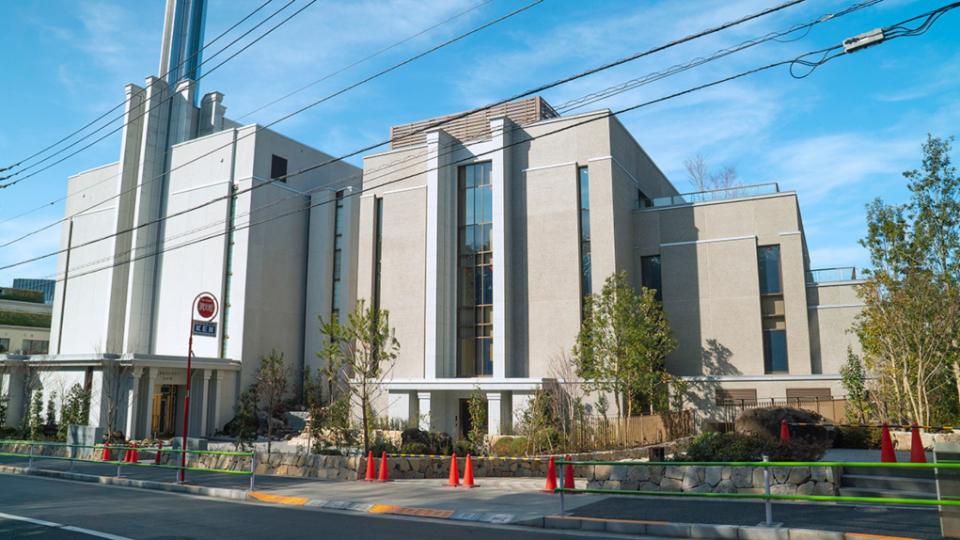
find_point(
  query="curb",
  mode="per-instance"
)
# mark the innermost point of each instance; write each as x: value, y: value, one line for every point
x: 221, y: 493
x: 693, y: 530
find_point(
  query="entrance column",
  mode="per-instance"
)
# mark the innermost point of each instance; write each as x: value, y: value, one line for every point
x: 425, y: 416
x: 217, y: 384
x: 133, y: 399
x: 205, y: 403
x: 493, y: 413
x: 151, y: 387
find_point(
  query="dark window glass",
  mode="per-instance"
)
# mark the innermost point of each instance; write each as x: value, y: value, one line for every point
x: 379, y: 251
x: 586, y: 286
x: 768, y: 258
x: 337, y: 253
x: 775, y: 351
x: 475, y: 274
x: 278, y: 168
x: 650, y: 275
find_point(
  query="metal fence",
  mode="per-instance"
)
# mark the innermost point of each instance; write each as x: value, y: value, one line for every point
x: 766, y: 496
x: 833, y: 408
x: 121, y: 463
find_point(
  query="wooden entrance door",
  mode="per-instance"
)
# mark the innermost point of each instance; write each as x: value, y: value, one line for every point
x: 164, y: 410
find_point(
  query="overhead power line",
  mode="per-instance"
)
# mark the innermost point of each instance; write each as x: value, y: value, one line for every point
x: 827, y: 54
x: 122, y: 103
x: 447, y: 119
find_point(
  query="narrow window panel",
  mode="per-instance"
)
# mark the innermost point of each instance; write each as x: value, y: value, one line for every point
x: 488, y: 284
x: 650, y: 275
x: 487, y: 204
x: 486, y: 241
x: 468, y: 207
x: 584, y: 188
x: 471, y: 175
x: 585, y: 224
x: 768, y: 258
x: 586, y: 275
x: 478, y: 204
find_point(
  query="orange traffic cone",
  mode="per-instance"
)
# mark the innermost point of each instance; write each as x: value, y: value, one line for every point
x: 371, y: 469
x: 125, y: 456
x: 568, y: 476
x: 106, y: 453
x: 156, y: 460
x: 784, y: 432
x: 886, y: 446
x: 454, y: 474
x: 916, y: 446
x: 136, y: 453
x: 551, y: 478
x: 384, y: 472
x: 468, y: 474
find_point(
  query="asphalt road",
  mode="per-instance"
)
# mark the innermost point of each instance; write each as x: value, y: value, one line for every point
x: 909, y: 522
x: 149, y: 515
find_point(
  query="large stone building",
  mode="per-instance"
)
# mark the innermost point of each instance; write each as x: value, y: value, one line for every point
x: 480, y: 232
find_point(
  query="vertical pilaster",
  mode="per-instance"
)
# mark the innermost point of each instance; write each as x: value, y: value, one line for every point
x: 133, y: 400
x: 424, y: 410
x: 440, y: 302
x: 205, y: 407
x: 499, y: 127
x: 494, y: 414
x: 151, y: 383
x: 217, y: 398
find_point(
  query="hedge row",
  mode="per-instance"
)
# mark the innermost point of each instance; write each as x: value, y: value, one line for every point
x: 21, y: 295
x: 17, y: 318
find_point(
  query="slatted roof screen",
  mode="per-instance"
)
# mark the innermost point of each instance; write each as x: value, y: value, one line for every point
x: 474, y: 124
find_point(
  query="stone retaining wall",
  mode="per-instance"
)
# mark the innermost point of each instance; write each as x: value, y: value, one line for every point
x: 718, y: 479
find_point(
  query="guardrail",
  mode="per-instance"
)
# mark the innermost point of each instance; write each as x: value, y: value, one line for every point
x: 120, y: 463
x: 766, y: 495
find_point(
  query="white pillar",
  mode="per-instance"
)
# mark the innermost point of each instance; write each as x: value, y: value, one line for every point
x: 493, y: 413
x: 217, y: 384
x: 425, y: 416
x: 151, y: 384
x: 502, y: 265
x: 441, y: 244
x: 133, y: 399
x: 205, y: 403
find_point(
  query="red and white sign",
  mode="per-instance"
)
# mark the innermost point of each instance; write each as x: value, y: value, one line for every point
x: 206, y: 307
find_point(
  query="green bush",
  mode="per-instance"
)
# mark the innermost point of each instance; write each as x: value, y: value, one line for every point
x: 381, y: 446
x: 502, y: 446
x: 326, y: 451
x: 862, y: 438
x: 733, y: 447
x: 17, y: 318
x: 518, y: 447
x: 462, y: 448
x: 21, y: 295
x: 415, y: 448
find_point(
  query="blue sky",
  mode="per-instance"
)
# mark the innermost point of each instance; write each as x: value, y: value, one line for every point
x: 839, y: 138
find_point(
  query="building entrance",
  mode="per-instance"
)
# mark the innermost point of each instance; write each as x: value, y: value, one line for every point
x: 164, y: 410
x: 467, y: 420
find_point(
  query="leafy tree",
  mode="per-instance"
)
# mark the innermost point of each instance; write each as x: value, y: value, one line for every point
x: 245, y: 418
x: 910, y: 325
x: 364, y: 350
x: 478, y: 420
x: 36, y: 415
x: 52, y: 409
x: 75, y: 410
x: 854, y: 380
x: 315, y: 401
x: 273, y: 384
x: 623, y: 343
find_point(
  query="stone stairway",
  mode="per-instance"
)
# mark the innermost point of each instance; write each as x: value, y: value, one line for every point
x: 888, y: 483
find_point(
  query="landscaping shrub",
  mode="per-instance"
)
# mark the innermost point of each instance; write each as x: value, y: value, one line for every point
x: 380, y: 446
x: 415, y: 448
x: 327, y: 451
x: 862, y: 438
x: 21, y: 295
x: 462, y: 448
x: 518, y: 447
x: 502, y: 446
x: 733, y: 447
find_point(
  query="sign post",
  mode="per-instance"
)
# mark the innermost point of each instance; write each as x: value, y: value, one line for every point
x: 202, y: 311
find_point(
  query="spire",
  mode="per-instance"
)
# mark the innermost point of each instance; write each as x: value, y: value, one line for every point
x: 182, y: 40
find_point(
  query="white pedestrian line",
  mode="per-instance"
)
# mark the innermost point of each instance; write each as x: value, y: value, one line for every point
x: 71, y: 528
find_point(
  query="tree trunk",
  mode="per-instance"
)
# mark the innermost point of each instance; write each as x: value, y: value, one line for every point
x: 363, y: 421
x: 956, y: 376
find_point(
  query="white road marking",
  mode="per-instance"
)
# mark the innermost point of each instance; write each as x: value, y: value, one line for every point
x: 99, y: 534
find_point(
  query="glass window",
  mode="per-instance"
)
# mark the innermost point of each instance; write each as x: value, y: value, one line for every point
x: 337, y: 254
x: 768, y: 258
x: 379, y: 252
x: 650, y: 275
x: 475, y: 274
x: 775, y: 351
x: 4, y: 345
x: 278, y: 168
x: 586, y: 286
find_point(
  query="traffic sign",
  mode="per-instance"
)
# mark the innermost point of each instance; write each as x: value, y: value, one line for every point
x: 206, y: 307
x: 205, y: 328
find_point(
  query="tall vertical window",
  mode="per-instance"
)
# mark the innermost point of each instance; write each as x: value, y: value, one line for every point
x: 772, y: 310
x: 475, y: 270
x: 586, y: 286
x: 650, y: 275
x: 768, y: 258
x: 337, y: 254
x: 378, y: 254
x: 278, y: 168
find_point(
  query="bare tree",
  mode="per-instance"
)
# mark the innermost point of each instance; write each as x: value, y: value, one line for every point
x: 273, y: 384
x: 704, y: 179
x: 117, y: 381
x: 568, y: 394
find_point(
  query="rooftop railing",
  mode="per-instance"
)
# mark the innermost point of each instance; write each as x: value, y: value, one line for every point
x: 823, y: 275
x: 711, y: 195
